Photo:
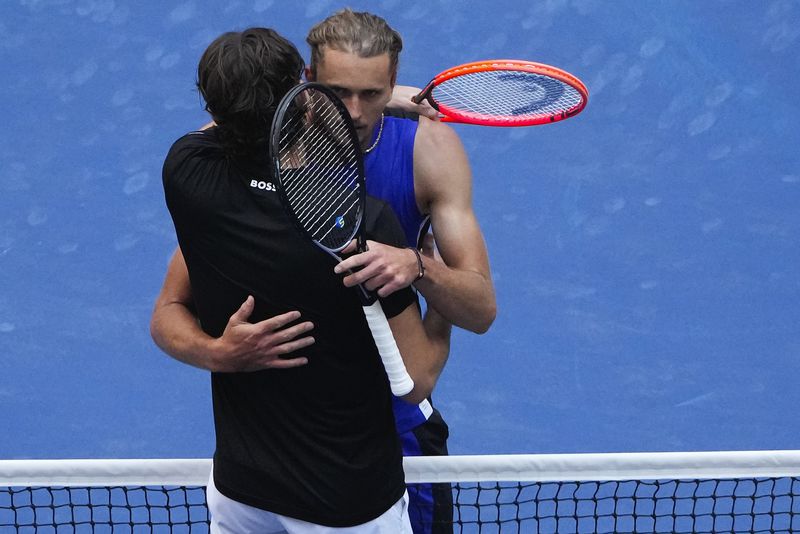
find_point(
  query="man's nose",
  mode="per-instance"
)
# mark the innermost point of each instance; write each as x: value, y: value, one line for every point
x: 353, y: 106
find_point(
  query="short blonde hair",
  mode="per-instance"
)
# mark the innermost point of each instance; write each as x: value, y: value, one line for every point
x: 360, y: 33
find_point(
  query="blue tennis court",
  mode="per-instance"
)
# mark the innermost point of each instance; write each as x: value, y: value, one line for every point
x: 644, y: 253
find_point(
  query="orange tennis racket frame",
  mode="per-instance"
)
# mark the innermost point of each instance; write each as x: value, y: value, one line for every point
x: 450, y: 114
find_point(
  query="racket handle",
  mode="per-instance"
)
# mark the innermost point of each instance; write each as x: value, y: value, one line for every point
x: 399, y: 380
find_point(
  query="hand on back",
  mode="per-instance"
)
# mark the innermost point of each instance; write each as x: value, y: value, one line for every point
x: 246, y: 346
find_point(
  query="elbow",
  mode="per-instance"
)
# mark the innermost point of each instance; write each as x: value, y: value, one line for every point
x: 155, y: 332
x: 424, y: 383
x: 484, y: 320
x: 425, y: 380
x: 422, y: 390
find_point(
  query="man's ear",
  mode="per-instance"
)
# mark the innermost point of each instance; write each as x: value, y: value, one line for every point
x: 394, y: 78
x: 309, y: 74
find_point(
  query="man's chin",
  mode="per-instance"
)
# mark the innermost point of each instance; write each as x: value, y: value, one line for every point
x: 363, y: 138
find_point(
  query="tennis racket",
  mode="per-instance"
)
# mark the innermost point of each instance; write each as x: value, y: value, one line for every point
x: 505, y: 92
x: 320, y: 174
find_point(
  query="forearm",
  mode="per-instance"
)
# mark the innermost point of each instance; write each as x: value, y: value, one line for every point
x: 463, y: 297
x: 438, y: 331
x: 424, y: 348
x: 243, y: 346
x: 459, y: 287
x: 176, y: 331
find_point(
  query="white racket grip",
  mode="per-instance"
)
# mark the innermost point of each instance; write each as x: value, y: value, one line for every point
x: 399, y: 380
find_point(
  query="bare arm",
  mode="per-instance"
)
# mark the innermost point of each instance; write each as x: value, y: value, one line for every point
x: 460, y: 288
x: 424, y: 348
x: 243, y: 346
x: 425, y: 351
x: 401, y: 99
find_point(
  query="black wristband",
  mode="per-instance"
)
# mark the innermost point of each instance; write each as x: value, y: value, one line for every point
x: 420, y: 266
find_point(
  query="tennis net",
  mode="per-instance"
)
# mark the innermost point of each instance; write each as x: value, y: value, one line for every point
x: 694, y: 492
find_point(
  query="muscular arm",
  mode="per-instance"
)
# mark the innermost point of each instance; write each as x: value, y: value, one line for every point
x: 424, y: 348
x: 243, y: 346
x: 248, y: 347
x: 460, y: 288
x: 401, y: 100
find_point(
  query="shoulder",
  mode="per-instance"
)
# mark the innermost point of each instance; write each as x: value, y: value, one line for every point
x: 196, y: 141
x: 188, y: 160
x: 190, y: 146
x: 437, y: 134
x: 440, y: 162
x: 436, y: 145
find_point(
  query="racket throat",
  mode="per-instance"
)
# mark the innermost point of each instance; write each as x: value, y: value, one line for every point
x: 425, y: 94
x: 366, y: 296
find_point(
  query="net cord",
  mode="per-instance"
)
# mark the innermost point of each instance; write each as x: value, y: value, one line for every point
x: 466, y: 468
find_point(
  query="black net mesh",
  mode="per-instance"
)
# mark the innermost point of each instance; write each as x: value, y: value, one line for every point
x: 756, y: 505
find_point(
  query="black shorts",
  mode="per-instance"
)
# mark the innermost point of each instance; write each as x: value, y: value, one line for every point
x: 430, y: 505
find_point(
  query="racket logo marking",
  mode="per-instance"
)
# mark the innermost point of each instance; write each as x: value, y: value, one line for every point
x: 544, y: 93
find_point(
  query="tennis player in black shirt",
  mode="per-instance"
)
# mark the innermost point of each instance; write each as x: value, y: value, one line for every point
x: 310, y: 448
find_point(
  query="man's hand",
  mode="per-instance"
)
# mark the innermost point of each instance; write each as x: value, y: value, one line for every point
x: 401, y: 100
x: 382, y: 267
x: 243, y: 346
x: 246, y: 346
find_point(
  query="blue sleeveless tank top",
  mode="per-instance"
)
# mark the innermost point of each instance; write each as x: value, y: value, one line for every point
x: 389, y: 170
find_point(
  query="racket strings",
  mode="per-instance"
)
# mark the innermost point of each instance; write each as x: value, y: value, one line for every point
x: 322, y: 185
x: 317, y: 194
x: 312, y: 185
x: 507, y: 94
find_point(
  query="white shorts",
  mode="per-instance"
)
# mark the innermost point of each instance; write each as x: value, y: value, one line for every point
x: 232, y: 517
